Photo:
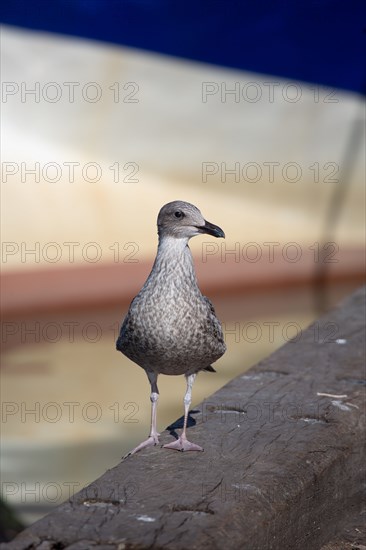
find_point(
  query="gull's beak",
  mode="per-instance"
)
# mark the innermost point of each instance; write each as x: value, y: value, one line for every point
x: 212, y: 229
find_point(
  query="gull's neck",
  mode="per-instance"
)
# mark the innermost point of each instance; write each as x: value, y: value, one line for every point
x: 173, y: 252
x: 171, y: 246
x: 173, y: 261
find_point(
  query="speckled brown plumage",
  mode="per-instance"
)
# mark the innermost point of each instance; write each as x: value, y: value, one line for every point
x: 171, y: 328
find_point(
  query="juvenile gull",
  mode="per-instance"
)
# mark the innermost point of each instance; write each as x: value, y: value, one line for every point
x: 170, y: 327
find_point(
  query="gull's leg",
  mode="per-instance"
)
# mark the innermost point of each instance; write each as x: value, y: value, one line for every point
x: 153, y: 438
x: 182, y: 444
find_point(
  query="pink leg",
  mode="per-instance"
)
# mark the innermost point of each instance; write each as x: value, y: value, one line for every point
x: 153, y: 438
x: 182, y: 444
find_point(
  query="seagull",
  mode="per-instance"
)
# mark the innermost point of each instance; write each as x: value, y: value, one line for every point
x: 170, y: 327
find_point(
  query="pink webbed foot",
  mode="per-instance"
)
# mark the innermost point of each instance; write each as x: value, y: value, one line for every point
x: 150, y: 441
x: 182, y: 444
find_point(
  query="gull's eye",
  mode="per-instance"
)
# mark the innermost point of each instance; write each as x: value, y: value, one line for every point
x: 178, y: 214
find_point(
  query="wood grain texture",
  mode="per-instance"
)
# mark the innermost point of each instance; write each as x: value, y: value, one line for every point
x: 281, y: 466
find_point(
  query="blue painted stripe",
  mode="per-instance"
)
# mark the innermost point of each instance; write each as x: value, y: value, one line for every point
x: 315, y: 41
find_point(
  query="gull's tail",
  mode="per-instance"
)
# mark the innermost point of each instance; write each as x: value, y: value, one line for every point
x: 210, y: 369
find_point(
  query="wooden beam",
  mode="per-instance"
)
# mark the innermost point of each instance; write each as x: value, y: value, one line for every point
x: 283, y: 461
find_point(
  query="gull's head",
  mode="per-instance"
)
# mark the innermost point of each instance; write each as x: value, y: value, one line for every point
x: 183, y: 220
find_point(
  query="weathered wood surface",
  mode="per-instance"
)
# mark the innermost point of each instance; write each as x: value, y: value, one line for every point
x: 282, y: 465
x: 352, y: 536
